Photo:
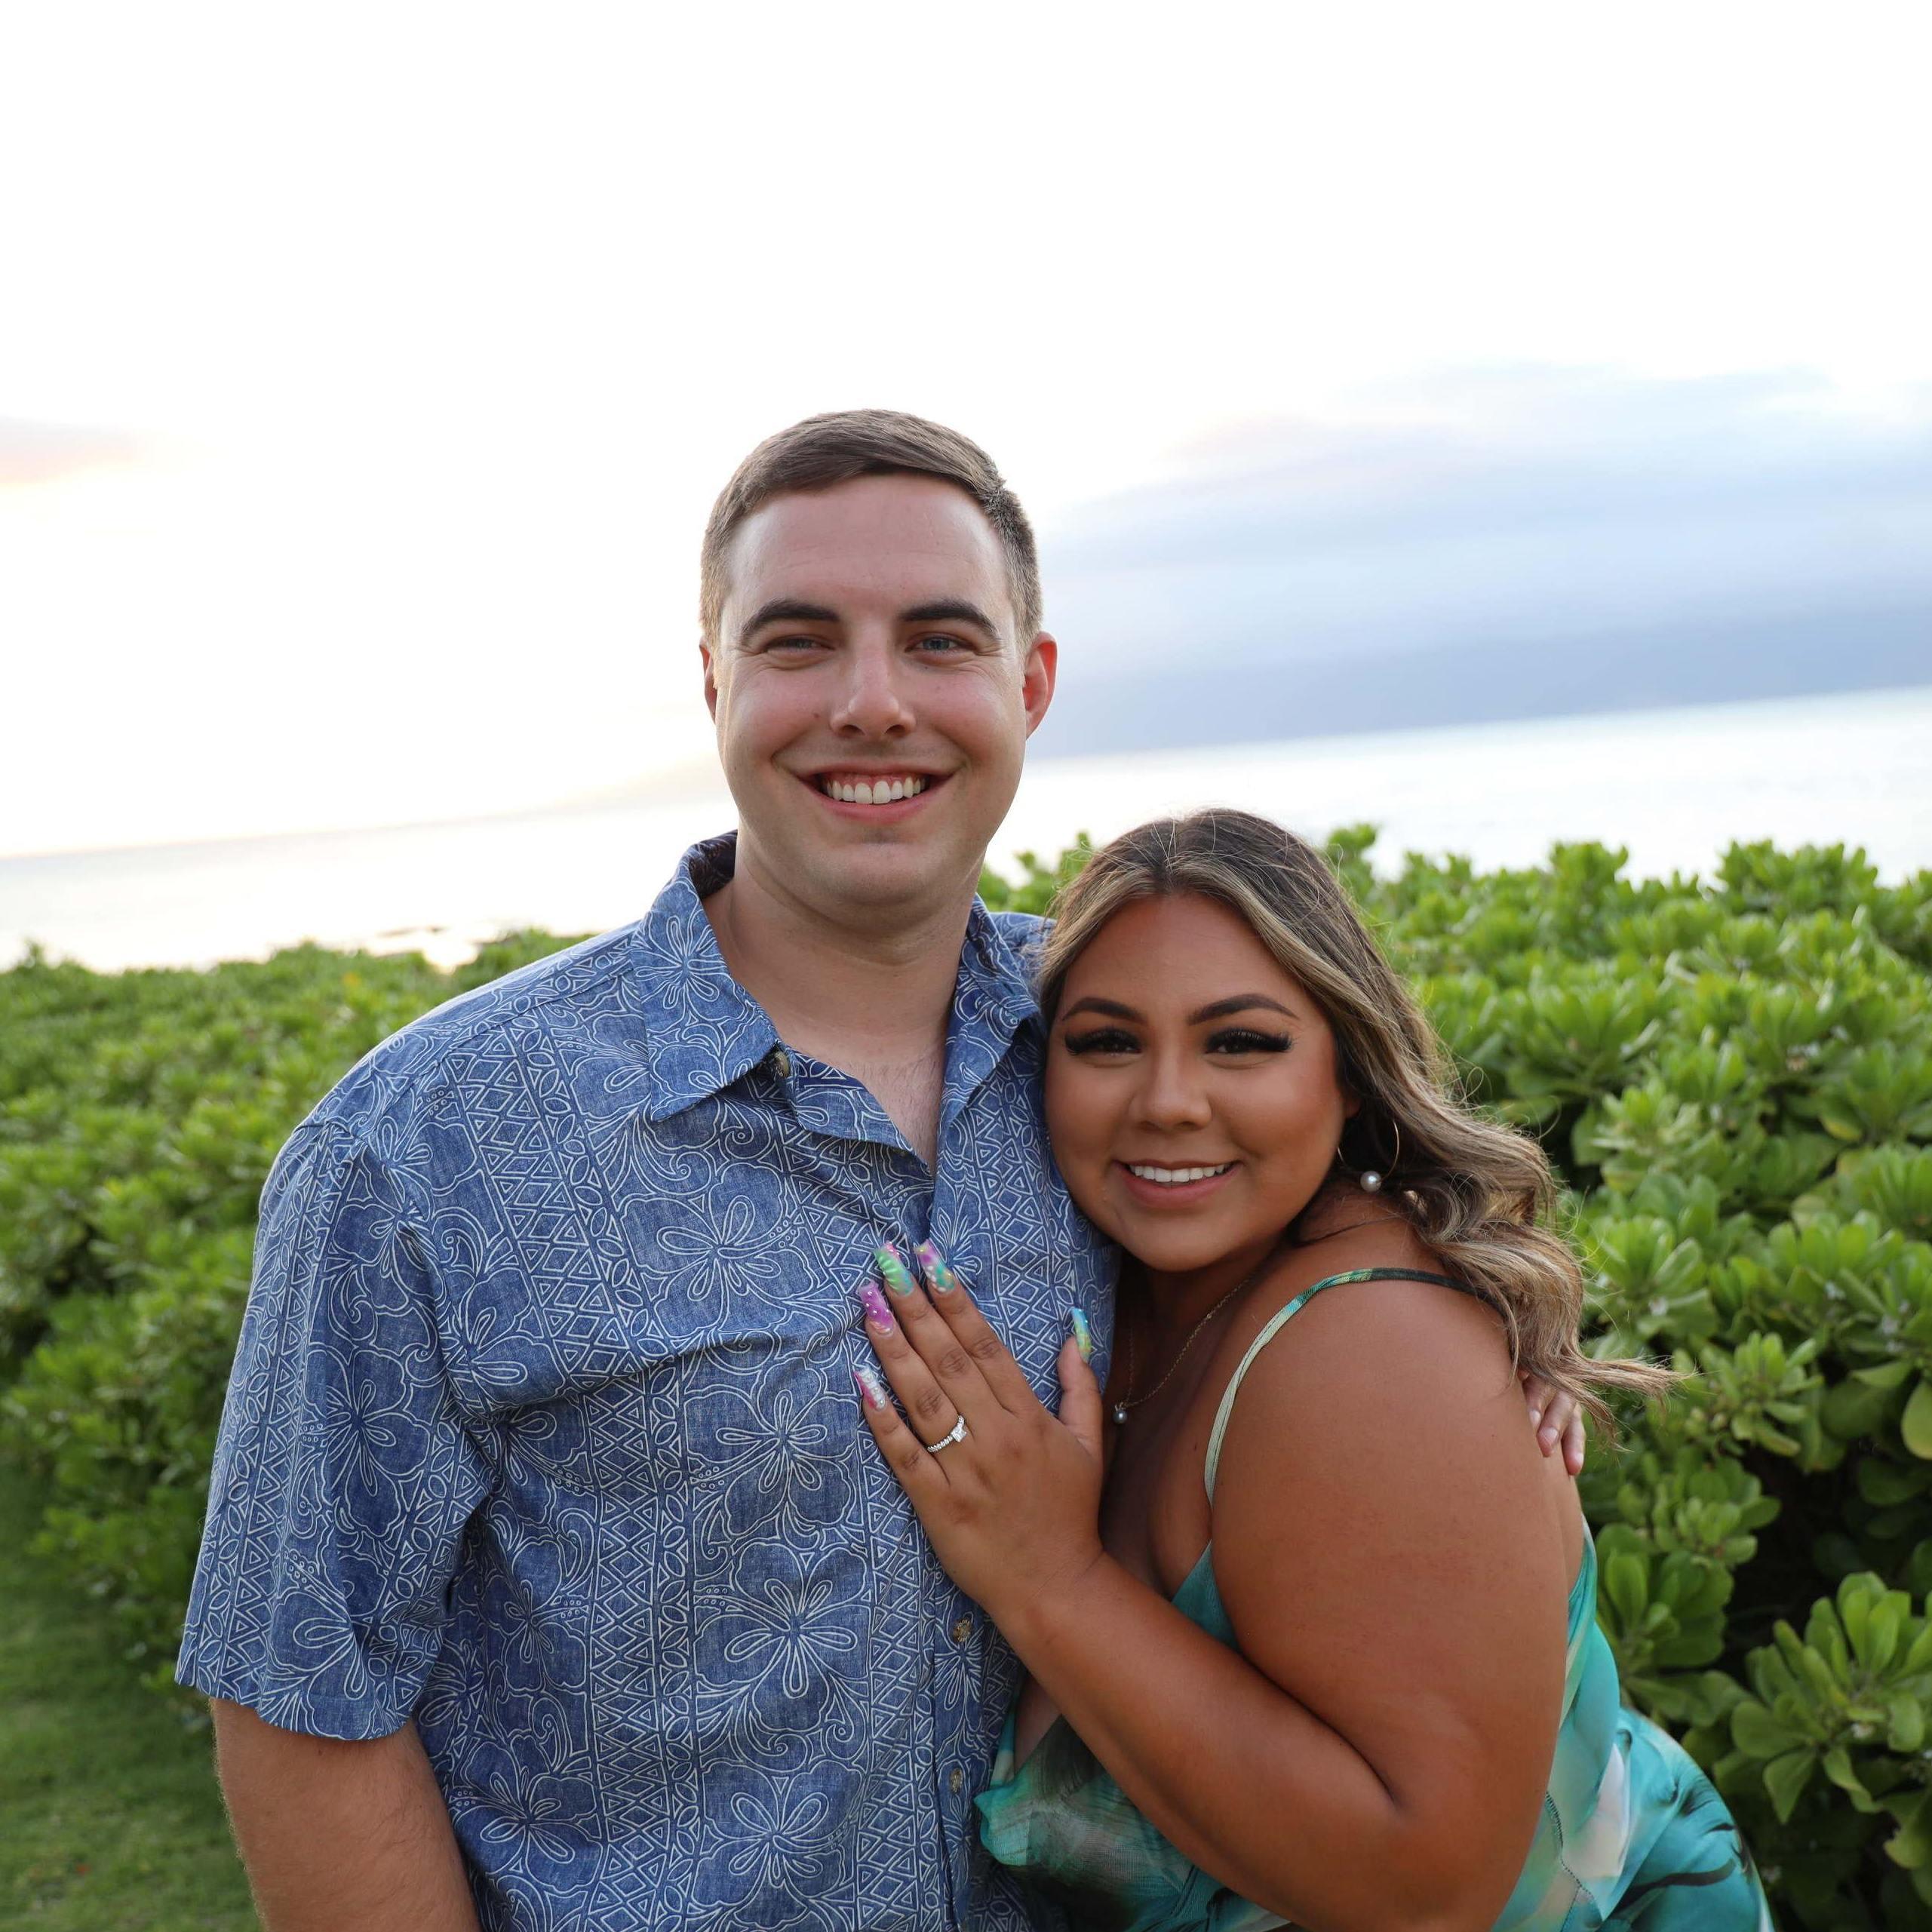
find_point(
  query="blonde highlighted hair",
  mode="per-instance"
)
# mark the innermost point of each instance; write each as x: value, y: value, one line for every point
x: 1479, y: 1194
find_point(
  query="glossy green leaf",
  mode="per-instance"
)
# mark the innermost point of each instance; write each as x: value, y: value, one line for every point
x: 1785, y: 1779
x: 1915, y: 1425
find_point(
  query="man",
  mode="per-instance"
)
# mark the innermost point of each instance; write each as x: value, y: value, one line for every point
x: 550, y: 1577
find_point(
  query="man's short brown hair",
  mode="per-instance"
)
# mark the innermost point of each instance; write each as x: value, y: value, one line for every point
x: 824, y: 450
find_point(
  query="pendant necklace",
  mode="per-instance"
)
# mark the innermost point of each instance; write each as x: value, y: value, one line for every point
x: 1127, y: 1402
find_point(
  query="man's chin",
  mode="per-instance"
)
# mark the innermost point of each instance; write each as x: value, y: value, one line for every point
x: 872, y: 882
x: 886, y: 877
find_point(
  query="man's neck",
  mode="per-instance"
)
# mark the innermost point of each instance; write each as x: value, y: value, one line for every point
x: 868, y: 995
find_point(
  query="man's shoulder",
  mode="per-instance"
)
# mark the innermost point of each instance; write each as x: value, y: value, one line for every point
x: 497, y: 1023
x: 1025, y: 933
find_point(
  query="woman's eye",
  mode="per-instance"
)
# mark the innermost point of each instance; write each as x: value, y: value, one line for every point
x: 1247, y: 1039
x: 1104, y: 1040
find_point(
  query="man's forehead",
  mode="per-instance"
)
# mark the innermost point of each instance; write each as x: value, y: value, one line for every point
x: 888, y: 541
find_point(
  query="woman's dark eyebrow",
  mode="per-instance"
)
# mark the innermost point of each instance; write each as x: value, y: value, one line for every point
x: 785, y: 610
x: 1112, y: 1008
x: 1219, y: 1010
x: 1239, y: 1003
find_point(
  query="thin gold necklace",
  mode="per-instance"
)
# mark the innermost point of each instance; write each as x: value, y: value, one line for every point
x: 1127, y: 1402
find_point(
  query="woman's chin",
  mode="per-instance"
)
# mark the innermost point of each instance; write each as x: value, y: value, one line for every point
x: 1176, y: 1240
x: 1175, y: 1251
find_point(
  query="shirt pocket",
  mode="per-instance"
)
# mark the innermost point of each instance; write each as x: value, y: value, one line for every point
x: 768, y: 1423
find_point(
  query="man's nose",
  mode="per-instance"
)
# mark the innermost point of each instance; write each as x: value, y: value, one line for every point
x: 872, y: 701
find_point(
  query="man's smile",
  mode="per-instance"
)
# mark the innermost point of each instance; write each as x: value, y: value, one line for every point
x: 873, y: 793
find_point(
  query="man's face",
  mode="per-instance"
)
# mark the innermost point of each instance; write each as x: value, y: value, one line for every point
x: 872, y: 697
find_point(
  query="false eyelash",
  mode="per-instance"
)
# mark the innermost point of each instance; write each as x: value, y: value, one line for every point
x: 1252, y: 1040
x: 1104, y: 1039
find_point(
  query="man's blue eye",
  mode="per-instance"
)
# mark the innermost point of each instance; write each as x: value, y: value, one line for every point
x: 950, y: 644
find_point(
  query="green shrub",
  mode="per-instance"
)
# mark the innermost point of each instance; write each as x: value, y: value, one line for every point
x: 1733, y: 1077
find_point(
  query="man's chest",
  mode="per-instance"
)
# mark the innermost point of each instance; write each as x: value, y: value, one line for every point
x: 716, y: 1254
x: 653, y: 1338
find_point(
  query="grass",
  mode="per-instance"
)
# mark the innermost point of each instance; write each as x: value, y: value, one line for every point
x: 110, y: 1820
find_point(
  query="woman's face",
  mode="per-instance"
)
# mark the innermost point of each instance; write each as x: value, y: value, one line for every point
x: 1191, y: 1089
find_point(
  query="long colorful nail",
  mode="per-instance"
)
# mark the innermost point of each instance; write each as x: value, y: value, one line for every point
x: 873, y: 1303
x: 870, y: 1387
x: 937, y: 1270
x: 1083, y: 1335
x: 892, y: 1270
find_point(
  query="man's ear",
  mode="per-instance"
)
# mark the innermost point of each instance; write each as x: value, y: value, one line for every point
x: 1036, y: 684
x: 711, y: 678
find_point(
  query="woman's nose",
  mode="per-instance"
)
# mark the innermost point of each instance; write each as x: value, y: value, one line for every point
x: 1173, y: 1095
x: 871, y: 703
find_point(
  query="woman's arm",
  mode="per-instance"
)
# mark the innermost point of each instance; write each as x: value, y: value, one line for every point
x: 1376, y: 1757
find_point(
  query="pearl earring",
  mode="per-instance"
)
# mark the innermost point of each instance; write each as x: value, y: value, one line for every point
x: 1370, y: 1179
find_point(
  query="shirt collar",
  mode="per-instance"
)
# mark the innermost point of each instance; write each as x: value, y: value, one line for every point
x: 702, y: 1031
x: 992, y: 1002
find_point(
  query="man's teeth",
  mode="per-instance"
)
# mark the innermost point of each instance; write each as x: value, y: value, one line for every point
x: 878, y: 791
x: 1173, y: 1177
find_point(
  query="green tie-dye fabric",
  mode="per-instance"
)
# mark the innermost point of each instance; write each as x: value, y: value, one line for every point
x: 1632, y: 1838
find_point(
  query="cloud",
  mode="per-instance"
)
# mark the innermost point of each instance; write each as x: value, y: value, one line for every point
x: 45, y: 452
x: 1500, y: 543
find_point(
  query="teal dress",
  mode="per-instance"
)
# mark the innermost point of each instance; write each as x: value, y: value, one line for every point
x: 1632, y: 1837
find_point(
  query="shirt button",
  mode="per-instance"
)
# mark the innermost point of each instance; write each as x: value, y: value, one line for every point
x: 955, y: 1779
x: 962, y: 1629
x: 782, y: 1063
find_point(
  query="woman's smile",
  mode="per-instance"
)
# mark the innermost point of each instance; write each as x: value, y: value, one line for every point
x: 1165, y: 1188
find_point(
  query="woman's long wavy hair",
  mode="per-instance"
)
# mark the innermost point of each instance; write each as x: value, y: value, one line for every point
x: 1479, y: 1194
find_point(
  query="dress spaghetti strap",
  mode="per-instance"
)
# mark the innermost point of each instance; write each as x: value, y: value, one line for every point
x: 1273, y: 1329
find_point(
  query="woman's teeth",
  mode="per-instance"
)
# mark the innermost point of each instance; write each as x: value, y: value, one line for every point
x: 877, y: 791
x: 1174, y: 1176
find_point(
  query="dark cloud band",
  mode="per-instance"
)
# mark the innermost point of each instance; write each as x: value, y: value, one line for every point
x: 1528, y: 542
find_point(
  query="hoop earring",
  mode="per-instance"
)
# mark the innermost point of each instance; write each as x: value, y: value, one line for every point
x: 1370, y: 1179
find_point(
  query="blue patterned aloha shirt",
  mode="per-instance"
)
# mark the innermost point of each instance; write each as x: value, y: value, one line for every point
x: 542, y: 1432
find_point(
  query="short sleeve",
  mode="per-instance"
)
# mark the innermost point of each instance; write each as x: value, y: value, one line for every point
x: 344, y: 1476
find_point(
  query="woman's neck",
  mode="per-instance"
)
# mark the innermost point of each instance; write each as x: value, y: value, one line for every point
x: 1173, y: 1301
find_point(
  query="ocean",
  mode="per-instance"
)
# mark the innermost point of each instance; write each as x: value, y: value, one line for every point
x: 1672, y: 787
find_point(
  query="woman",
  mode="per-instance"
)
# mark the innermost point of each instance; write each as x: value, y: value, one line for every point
x: 1288, y: 1665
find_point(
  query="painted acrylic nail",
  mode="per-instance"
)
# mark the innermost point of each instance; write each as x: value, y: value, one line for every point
x: 873, y: 1303
x: 1082, y: 1335
x: 870, y: 1387
x: 937, y: 1270
x: 892, y: 1270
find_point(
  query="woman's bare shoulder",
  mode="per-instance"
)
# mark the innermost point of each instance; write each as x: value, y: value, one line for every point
x: 1384, y: 1419
x: 1349, y: 1239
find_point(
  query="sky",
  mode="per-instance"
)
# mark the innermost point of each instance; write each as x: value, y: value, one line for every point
x: 1524, y: 542
x: 365, y: 373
